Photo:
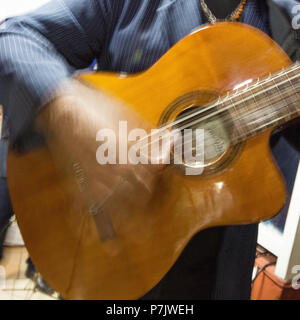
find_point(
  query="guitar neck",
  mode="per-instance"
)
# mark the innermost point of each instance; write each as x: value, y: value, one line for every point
x: 268, y: 103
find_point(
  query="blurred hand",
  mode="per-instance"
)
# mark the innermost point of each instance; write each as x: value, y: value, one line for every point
x: 70, y: 124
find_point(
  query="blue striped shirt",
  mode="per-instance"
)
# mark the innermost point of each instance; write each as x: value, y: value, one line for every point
x: 41, y: 49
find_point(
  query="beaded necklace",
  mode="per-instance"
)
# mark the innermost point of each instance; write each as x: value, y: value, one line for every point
x: 234, y: 16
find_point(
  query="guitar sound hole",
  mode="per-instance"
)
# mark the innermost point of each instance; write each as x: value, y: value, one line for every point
x: 216, y: 133
x: 217, y: 129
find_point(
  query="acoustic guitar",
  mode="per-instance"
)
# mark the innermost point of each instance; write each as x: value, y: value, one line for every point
x: 228, y: 76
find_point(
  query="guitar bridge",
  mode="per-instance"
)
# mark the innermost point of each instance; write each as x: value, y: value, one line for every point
x: 103, y: 222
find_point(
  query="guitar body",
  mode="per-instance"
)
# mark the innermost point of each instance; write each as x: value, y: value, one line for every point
x: 62, y: 238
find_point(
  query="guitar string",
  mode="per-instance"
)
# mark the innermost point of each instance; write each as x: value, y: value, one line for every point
x: 233, y: 94
x: 239, y: 93
x: 258, y: 116
x: 256, y: 111
x: 229, y: 96
x: 236, y: 139
x: 233, y: 105
x: 241, y: 136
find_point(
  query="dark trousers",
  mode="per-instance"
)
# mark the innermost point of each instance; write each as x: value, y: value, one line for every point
x: 6, y: 211
x: 216, y: 264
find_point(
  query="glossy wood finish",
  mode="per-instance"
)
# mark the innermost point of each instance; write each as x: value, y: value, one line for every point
x: 62, y: 238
